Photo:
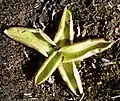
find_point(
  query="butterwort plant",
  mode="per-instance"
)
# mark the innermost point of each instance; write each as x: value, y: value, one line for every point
x: 62, y: 53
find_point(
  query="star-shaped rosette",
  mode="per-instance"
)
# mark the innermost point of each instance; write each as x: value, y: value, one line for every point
x: 65, y: 52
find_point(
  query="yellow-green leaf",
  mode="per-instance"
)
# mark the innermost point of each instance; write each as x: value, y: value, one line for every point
x: 45, y: 37
x: 48, y: 67
x: 30, y: 37
x: 65, y: 30
x: 71, y: 76
x: 82, y: 50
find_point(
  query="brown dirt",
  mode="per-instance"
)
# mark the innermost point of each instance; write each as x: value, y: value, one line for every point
x: 19, y: 64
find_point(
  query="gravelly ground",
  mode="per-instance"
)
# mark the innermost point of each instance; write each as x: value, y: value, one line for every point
x: 19, y: 64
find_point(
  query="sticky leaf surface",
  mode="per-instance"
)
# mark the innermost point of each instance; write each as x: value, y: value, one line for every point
x: 82, y: 50
x: 30, y: 37
x: 48, y: 67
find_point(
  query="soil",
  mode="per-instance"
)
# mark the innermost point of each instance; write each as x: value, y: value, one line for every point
x: 19, y: 64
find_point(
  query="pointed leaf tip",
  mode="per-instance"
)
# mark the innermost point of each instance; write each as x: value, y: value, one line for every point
x: 82, y: 50
x: 30, y: 37
x: 71, y: 76
x: 65, y: 30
